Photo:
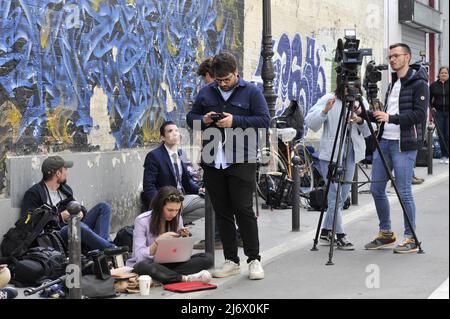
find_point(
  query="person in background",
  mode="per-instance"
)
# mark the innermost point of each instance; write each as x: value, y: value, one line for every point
x: 439, y: 103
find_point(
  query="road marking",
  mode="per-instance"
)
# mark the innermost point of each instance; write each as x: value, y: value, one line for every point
x: 306, y: 239
x: 441, y: 292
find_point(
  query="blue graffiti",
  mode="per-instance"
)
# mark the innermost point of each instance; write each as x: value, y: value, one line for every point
x: 143, y: 54
x: 296, y: 77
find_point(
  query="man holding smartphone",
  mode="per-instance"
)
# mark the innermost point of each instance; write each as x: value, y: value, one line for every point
x: 230, y: 168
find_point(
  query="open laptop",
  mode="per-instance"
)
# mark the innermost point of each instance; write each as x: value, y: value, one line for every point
x: 174, y: 250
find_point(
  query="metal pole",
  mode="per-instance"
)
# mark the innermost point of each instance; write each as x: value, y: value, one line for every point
x: 296, y: 195
x: 209, y: 227
x: 267, y: 73
x: 355, y: 186
x: 430, y: 149
x: 74, y: 209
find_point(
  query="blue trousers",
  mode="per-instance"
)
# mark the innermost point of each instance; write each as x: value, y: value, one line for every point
x: 403, y: 165
x: 94, y: 228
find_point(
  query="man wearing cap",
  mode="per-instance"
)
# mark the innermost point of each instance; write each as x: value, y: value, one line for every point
x: 54, y: 191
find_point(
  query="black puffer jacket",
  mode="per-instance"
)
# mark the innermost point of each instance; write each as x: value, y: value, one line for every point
x: 439, y: 98
x: 413, y: 105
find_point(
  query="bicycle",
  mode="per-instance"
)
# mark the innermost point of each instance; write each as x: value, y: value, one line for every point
x: 274, y: 170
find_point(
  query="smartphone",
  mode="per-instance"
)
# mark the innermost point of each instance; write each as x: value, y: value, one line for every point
x: 217, y: 117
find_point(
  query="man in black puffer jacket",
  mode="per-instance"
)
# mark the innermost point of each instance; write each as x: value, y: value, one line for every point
x: 401, y: 135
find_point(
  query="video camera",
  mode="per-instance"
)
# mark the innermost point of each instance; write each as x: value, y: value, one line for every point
x: 372, y: 76
x: 349, y: 58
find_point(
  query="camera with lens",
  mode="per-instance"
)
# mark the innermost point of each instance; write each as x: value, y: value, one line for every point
x: 217, y: 117
x: 349, y: 58
x: 372, y: 76
x: 100, y: 267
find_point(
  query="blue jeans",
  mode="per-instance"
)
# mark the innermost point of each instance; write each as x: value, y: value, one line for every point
x: 345, y: 190
x: 403, y: 165
x: 442, y: 119
x: 94, y: 228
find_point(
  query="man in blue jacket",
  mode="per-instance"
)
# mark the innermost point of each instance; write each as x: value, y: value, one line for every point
x: 222, y: 110
x: 166, y: 166
x: 401, y: 135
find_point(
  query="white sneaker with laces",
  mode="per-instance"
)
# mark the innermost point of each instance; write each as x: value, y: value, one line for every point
x: 255, y: 270
x: 203, y: 276
x: 229, y: 268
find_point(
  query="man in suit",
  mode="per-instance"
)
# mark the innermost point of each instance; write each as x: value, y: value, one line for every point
x: 164, y: 166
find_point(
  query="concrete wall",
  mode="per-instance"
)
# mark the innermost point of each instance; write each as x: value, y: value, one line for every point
x: 114, y: 177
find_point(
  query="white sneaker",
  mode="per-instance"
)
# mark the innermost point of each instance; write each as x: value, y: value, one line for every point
x: 203, y: 276
x: 446, y: 161
x: 229, y: 268
x: 255, y: 270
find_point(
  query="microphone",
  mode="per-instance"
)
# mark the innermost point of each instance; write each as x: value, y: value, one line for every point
x: 8, y: 293
x: 339, y: 50
x: 340, y: 45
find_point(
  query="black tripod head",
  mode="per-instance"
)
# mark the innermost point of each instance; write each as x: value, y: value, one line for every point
x: 371, y: 78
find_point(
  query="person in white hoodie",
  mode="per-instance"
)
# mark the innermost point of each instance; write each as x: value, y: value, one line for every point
x: 326, y: 113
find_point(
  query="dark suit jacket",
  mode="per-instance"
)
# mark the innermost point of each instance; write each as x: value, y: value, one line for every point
x: 159, y: 172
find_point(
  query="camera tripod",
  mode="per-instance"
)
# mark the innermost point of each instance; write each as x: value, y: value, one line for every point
x: 336, y: 171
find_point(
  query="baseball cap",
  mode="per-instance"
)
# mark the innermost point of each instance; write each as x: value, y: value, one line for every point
x: 53, y: 163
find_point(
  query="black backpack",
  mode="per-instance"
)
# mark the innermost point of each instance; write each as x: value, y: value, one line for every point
x: 51, y: 238
x: 37, y: 265
x: 19, y: 239
x: 124, y: 237
x: 295, y: 118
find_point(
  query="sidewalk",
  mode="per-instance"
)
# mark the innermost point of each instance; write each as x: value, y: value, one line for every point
x: 276, y: 237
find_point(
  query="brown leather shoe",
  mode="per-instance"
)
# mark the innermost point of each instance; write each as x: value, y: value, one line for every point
x: 417, y: 180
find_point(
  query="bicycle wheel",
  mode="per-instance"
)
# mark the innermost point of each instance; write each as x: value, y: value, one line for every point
x: 271, y: 167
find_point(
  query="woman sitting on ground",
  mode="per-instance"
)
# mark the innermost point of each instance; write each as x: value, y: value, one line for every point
x: 164, y: 221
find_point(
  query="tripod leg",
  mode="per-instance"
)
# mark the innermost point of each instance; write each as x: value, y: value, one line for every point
x: 322, y: 212
x: 341, y: 170
x: 391, y: 177
x: 331, y: 172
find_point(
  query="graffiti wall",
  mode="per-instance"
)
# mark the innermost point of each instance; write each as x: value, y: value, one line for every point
x: 299, y: 74
x: 87, y: 75
x: 305, y: 35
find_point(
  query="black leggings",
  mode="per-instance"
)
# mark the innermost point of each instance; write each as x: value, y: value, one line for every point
x: 172, y: 273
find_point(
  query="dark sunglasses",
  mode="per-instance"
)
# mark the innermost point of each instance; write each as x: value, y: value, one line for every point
x: 175, y: 198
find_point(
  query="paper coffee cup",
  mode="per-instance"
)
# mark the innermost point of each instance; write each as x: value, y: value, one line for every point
x: 144, y: 285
